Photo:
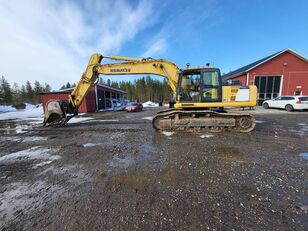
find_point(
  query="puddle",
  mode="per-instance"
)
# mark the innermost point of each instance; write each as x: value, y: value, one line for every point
x: 14, y: 127
x: 146, y: 148
x: 172, y: 174
x: 168, y: 133
x: 304, y: 155
x: 125, y: 181
x: 206, y: 136
x: 125, y: 162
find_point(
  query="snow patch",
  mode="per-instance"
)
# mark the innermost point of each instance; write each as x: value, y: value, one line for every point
x: 21, y: 129
x: 148, y: 118
x: 302, y: 124
x: 34, y: 138
x: 88, y: 145
x: 150, y: 104
x: 168, y: 133
x: 78, y: 119
x: 10, y: 138
x: 7, y: 108
x: 206, y: 136
x: 30, y: 154
x: 41, y: 164
x: 104, y: 120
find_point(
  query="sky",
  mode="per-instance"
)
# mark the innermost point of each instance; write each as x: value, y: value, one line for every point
x: 52, y: 40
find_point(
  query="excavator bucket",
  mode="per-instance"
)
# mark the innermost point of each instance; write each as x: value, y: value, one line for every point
x: 55, y: 114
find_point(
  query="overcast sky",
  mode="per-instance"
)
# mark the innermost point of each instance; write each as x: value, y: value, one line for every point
x: 52, y: 40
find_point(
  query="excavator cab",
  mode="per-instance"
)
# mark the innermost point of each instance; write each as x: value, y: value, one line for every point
x: 199, y: 85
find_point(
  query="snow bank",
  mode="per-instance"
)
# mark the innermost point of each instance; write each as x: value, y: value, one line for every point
x: 31, y: 112
x: 7, y: 108
x: 150, y: 104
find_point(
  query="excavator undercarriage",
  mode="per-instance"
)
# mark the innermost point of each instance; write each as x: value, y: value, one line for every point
x: 203, y: 120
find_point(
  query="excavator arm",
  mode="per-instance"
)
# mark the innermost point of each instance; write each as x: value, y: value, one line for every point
x: 57, y: 112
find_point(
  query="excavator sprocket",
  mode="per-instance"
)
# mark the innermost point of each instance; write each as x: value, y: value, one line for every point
x: 203, y: 120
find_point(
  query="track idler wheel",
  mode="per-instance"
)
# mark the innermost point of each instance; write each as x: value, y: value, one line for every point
x: 246, y: 123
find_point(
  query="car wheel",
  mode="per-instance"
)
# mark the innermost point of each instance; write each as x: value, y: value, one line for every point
x: 289, y: 107
x: 265, y: 106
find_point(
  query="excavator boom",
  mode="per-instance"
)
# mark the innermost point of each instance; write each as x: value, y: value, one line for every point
x: 57, y: 113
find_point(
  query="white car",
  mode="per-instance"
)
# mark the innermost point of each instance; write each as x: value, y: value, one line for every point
x: 290, y: 103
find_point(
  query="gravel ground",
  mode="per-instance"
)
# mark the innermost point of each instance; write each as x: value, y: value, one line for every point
x: 116, y: 172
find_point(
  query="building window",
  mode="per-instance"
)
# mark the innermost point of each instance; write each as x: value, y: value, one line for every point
x: 298, y: 92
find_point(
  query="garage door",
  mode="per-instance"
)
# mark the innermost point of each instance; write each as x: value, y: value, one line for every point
x: 268, y: 87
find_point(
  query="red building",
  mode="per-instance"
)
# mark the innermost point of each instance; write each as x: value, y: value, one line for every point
x: 100, y: 97
x: 283, y: 73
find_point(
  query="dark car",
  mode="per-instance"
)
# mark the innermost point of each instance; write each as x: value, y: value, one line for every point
x: 133, y: 107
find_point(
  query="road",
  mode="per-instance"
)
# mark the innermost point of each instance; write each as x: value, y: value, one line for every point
x: 116, y: 172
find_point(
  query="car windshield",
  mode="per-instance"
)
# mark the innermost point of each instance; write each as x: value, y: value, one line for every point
x: 303, y: 98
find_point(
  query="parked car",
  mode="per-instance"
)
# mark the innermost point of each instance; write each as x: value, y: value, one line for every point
x: 133, y: 107
x: 290, y: 103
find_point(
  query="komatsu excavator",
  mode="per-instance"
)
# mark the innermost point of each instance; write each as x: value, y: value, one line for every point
x: 199, y: 96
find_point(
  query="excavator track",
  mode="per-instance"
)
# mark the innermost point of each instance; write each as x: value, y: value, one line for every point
x: 203, y: 120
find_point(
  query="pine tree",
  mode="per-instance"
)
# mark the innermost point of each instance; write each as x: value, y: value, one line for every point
x: 30, y: 92
x: 16, y: 93
x: 47, y: 88
x: 23, y: 93
x: 37, y: 87
x: 68, y: 85
x: 6, y: 91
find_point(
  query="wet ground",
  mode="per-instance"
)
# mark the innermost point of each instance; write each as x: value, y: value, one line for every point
x: 116, y: 172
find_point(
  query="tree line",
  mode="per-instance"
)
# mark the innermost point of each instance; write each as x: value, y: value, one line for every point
x: 26, y: 93
x: 143, y: 89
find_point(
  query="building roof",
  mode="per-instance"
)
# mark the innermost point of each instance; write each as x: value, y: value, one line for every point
x: 245, y: 69
x: 69, y: 90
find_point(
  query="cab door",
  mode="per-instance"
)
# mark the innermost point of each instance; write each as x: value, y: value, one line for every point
x: 211, y: 86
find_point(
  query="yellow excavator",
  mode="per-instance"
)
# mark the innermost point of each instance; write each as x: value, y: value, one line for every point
x: 200, y: 97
